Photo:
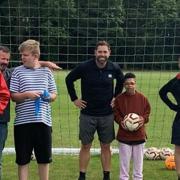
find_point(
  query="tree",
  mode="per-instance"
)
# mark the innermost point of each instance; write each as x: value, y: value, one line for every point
x: 149, y: 29
x: 45, y: 21
x: 98, y: 20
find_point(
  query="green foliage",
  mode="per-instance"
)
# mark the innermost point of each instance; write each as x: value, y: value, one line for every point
x: 138, y: 30
x: 99, y: 19
x: 164, y: 9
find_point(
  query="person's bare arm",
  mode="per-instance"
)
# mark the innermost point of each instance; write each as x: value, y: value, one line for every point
x: 53, y: 97
x: 21, y: 97
x: 50, y: 65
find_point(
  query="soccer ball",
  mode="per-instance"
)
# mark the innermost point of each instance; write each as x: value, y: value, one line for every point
x: 165, y: 152
x: 131, y: 122
x: 170, y: 163
x: 152, y: 153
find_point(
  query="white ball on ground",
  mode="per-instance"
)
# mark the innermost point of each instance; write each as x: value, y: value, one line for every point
x: 165, y: 152
x: 152, y: 153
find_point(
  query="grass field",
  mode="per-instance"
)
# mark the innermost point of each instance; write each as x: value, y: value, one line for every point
x: 66, y: 168
x: 65, y: 133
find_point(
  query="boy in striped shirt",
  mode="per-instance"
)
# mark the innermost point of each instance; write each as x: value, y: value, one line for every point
x: 32, y: 126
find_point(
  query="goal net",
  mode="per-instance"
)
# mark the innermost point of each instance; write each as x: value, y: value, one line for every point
x: 144, y: 36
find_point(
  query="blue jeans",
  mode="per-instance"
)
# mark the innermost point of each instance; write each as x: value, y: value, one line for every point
x: 3, y: 137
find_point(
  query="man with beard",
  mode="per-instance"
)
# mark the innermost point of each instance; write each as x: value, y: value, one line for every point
x: 97, y: 95
x: 5, y: 117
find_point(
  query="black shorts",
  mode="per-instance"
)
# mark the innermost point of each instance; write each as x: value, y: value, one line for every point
x: 176, y: 132
x: 33, y: 136
x: 104, y: 125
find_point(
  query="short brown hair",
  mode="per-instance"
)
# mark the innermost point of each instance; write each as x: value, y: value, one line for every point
x: 102, y: 43
x: 4, y: 49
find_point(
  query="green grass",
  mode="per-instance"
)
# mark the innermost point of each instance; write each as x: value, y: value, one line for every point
x: 65, y: 133
x: 66, y: 168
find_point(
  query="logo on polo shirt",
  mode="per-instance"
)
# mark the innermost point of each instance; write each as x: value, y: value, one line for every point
x: 109, y: 75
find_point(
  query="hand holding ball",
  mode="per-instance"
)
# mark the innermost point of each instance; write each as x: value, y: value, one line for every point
x: 132, y: 122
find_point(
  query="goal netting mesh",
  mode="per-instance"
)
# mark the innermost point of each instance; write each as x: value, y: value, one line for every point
x: 144, y: 36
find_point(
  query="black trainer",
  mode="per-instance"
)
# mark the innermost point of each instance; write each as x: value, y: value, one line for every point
x: 106, y: 178
x: 81, y: 178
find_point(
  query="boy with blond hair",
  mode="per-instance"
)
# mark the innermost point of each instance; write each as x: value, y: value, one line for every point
x: 32, y: 126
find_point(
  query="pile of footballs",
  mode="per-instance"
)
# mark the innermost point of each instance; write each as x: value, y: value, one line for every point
x: 165, y: 154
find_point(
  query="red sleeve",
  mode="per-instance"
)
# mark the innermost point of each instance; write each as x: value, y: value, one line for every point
x: 178, y: 76
x: 4, y: 94
x: 147, y: 110
x: 118, y: 116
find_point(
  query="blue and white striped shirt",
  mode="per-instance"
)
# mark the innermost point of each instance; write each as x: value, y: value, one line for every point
x: 25, y: 79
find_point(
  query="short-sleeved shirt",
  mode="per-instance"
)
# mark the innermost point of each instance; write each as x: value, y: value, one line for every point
x: 26, y: 79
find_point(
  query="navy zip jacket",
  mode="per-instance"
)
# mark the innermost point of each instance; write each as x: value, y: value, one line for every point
x: 97, y: 86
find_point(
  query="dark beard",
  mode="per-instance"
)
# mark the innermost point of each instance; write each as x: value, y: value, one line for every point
x: 3, y: 67
x: 101, y: 59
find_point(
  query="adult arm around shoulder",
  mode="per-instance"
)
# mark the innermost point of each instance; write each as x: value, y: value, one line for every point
x: 50, y: 65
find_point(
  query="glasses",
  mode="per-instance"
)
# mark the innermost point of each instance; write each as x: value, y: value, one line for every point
x: 129, y: 83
